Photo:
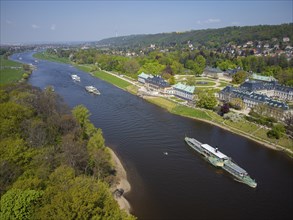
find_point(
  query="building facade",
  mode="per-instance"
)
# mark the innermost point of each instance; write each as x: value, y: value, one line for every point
x: 143, y: 77
x: 184, y: 91
x: 272, y: 108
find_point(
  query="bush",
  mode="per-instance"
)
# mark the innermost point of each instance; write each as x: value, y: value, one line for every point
x: 277, y: 131
x: 25, y: 76
x: 234, y: 117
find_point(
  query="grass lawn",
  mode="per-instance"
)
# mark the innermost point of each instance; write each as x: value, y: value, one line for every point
x: 190, y: 112
x: 164, y: 103
x: 284, y: 141
x: 224, y: 84
x: 112, y: 79
x: 177, y: 99
x: 50, y: 57
x: 85, y: 68
x: 132, y: 89
x: 10, y: 75
x: 8, y: 63
x: 208, y: 83
x: 10, y: 71
x: 243, y: 125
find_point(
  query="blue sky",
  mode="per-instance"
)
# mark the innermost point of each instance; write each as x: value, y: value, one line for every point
x: 55, y: 21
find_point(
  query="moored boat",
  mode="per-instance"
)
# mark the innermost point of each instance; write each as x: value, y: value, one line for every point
x: 218, y: 159
x: 93, y: 90
x: 75, y: 77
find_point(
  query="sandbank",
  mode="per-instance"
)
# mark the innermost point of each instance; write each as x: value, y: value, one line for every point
x: 121, y: 182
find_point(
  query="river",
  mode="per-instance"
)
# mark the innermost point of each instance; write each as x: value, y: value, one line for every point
x: 180, y: 185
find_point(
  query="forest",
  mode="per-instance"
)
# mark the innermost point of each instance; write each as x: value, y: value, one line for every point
x: 53, y: 161
x: 209, y: 38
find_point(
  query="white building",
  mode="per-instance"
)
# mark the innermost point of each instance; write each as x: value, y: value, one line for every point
x: 184, y: 91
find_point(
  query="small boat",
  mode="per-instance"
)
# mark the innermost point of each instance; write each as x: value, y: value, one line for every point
x: 93, y: 90
x: 75, y: 78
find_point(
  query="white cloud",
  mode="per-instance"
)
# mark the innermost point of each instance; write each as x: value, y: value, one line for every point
x: 53, y: 27
x: 34, y: 26
x: 209, y: 21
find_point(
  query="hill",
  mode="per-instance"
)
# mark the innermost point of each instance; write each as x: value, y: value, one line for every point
x: 211, y: 38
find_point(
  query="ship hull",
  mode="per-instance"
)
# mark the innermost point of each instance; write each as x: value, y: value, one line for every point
x: 224, y: 162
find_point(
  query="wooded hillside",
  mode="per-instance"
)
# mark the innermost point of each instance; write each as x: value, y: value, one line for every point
x: 210, y: 38
x: 53, y: 162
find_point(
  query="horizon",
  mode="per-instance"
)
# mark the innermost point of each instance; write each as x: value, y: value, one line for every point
x: 91, y: 21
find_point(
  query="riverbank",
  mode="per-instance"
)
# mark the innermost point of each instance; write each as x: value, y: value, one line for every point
x: 246, y: 129
x: 121, y: 182
x: 211, y: 118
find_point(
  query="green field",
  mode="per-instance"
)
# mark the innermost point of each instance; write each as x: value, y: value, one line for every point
x: 10, y: 71
x: 190, y: 112
x: 50, y: 57
x: 85, y: 68
x: 164, y: 103
x: 112, y: 79
x: 132, y: 89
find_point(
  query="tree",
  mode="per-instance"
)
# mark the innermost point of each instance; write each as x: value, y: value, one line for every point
x: 225, y: 108
x: 194, y: 66
x: 131, y: 66
x: 171, y: 80
x: 239, y: 77
x: 81, y: 114
x: 201, y: 62
x: 227, y: 64
x: 154, y: 68
x: 74, y: 153
x: 289, y: 122
x: 277, y: 131
x: 206, y: 99
x: 11, y: 115
x: 82, y: 197
x: 236, y: 103
x: 177, y: 67
x: 19, y: 204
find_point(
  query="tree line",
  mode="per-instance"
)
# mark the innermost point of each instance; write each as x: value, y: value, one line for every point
x: 168, y: 64
x: 208, y: 38
x: 53, y: 162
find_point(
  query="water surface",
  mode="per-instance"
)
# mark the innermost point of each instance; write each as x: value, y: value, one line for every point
x: 180, y: 185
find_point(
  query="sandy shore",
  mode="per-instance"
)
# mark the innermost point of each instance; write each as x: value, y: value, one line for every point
x: 122, y: 182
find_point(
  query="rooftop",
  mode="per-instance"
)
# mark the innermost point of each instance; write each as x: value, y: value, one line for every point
x: 145, y: 76
x: 186, y: 88
x: 263, y: 78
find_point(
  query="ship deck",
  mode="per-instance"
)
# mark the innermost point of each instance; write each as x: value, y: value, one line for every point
x: 214, y: 151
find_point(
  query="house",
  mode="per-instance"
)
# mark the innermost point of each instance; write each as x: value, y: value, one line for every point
x: 283, y: 92
x: 266, y: 88
x: 184, y: 91
x: 286, y: 39
x: 231, y: 72
x: 157, y: 83
x: 212, y: 72
x: 272, y: 108
x: 269, y: 86
x: 263, y: 78
x: 142, y: 77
